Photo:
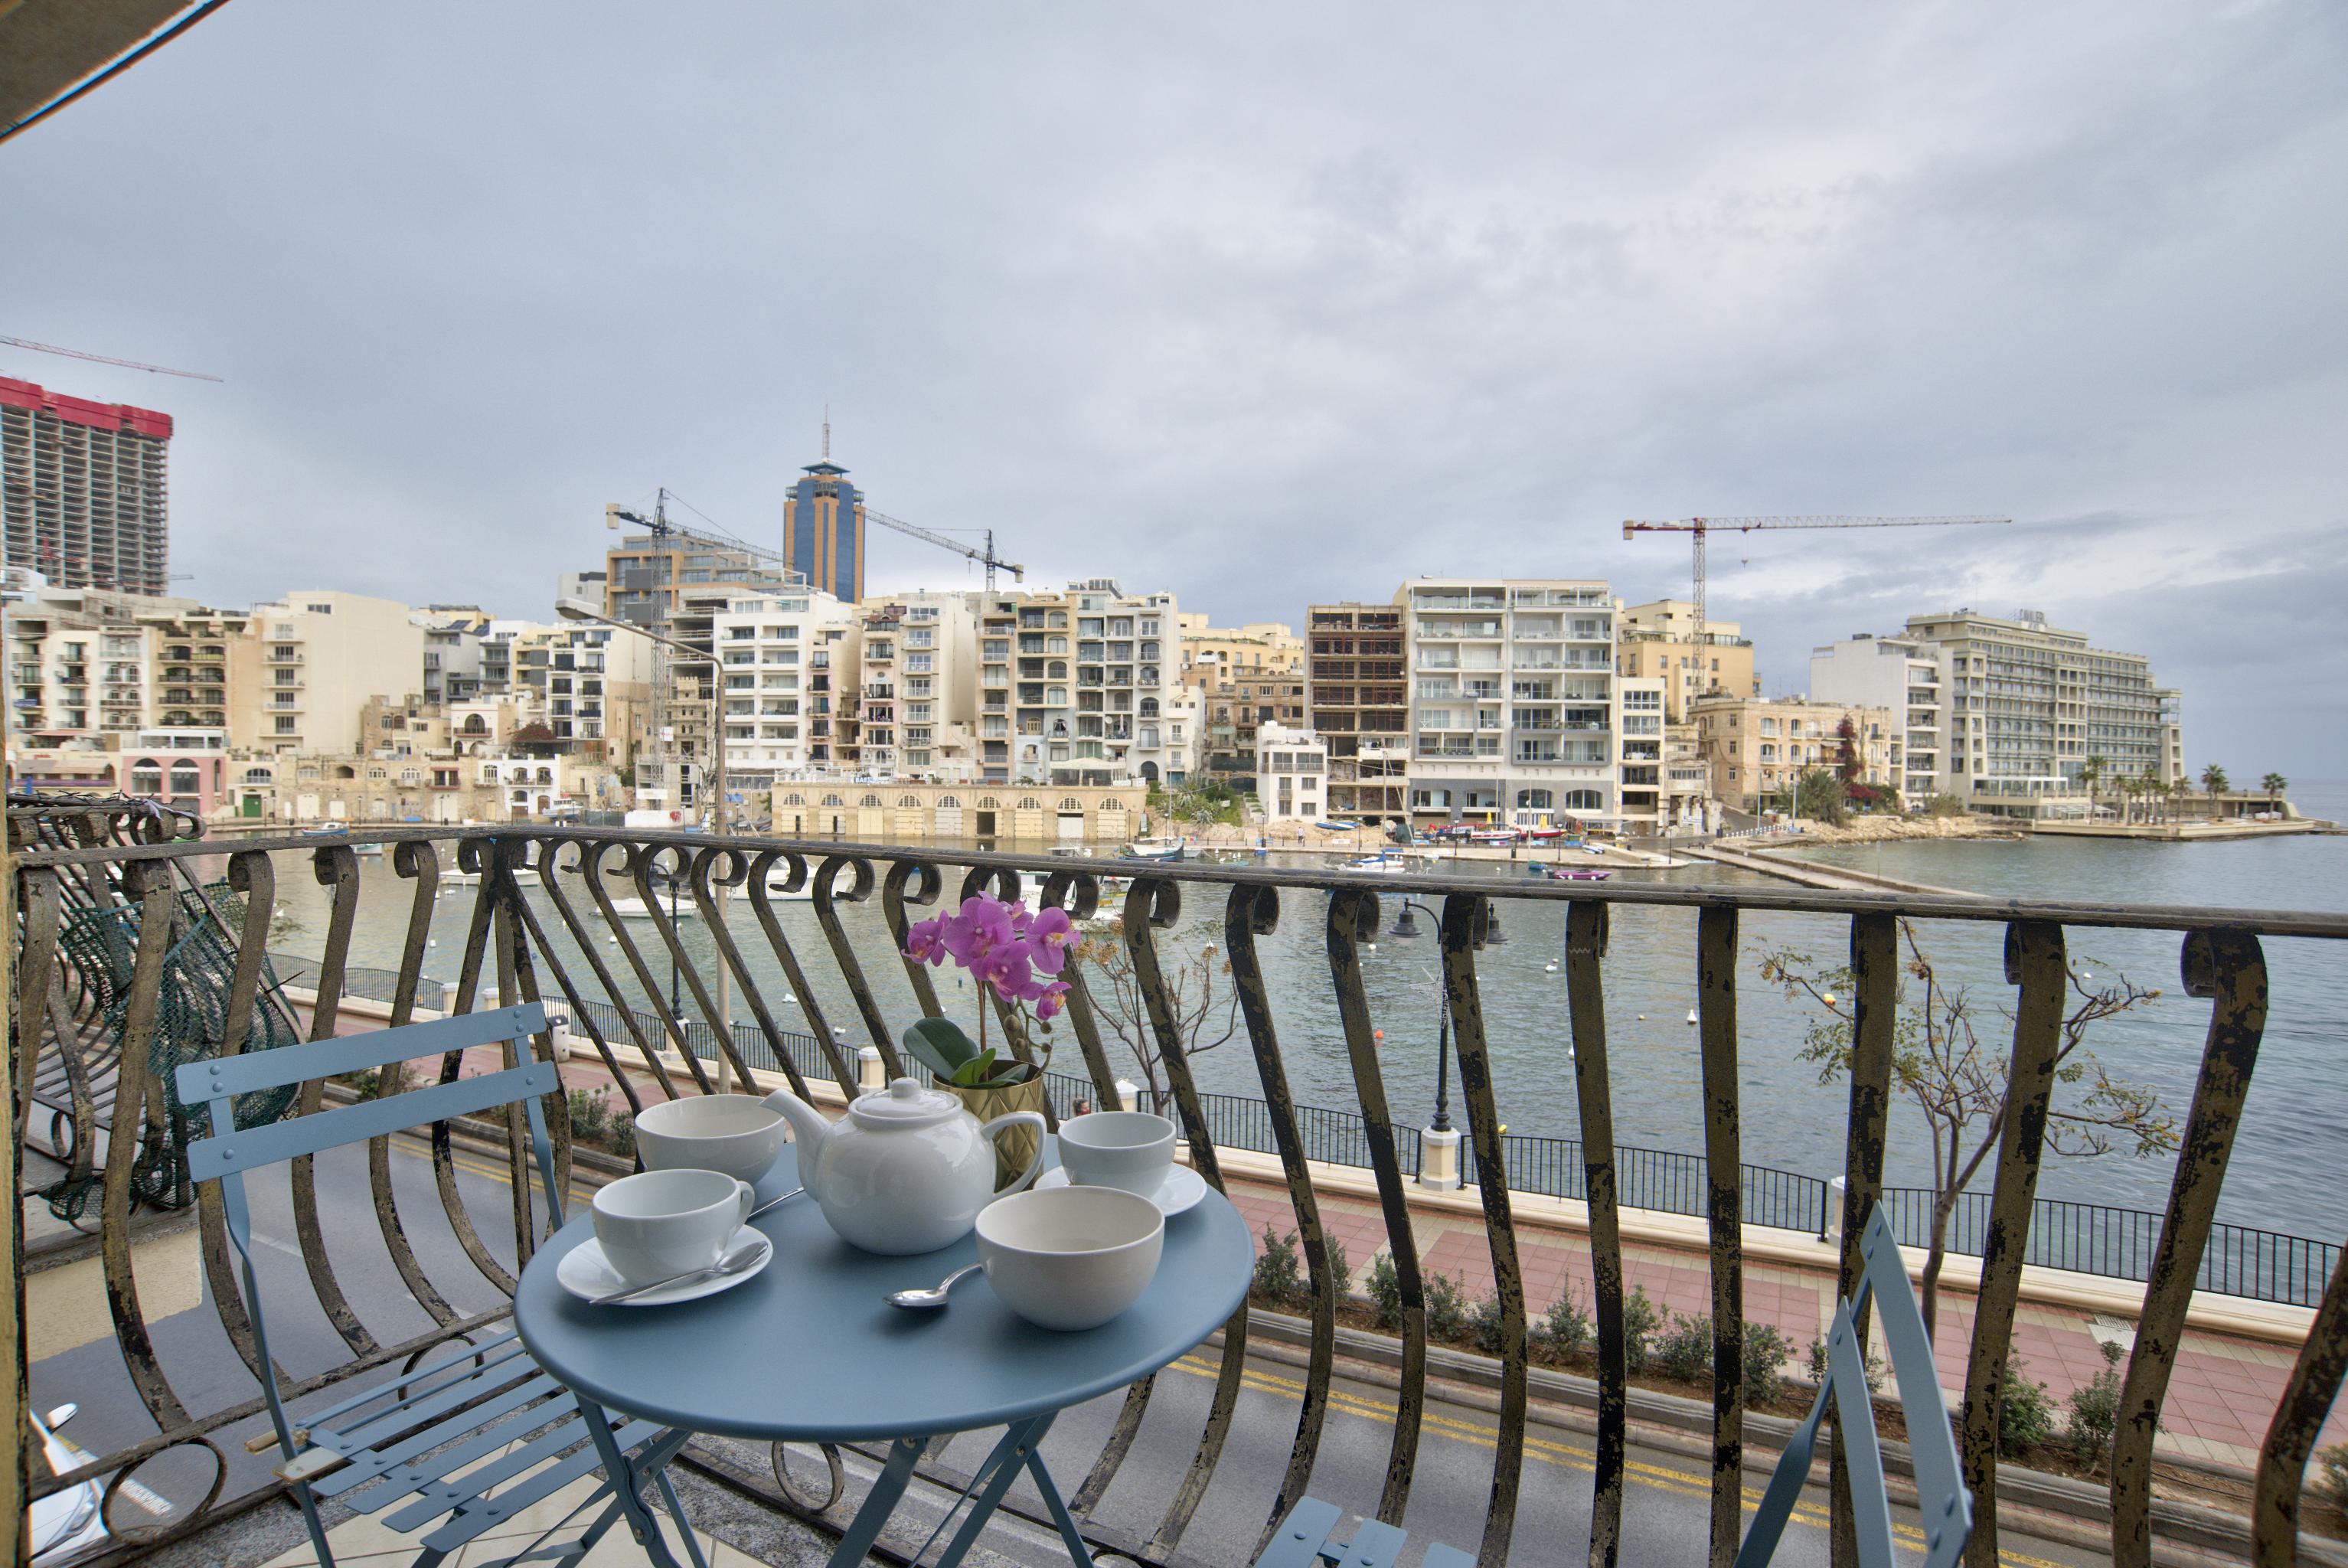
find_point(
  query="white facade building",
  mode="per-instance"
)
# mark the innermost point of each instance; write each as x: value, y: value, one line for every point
x: 1292, y: 774
x: 1073, y: 685
x: 1907, y: 678
x: 784, y: 661
x: 1513, y: 701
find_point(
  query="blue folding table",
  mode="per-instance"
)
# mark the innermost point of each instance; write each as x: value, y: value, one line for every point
x: 865, y: 1371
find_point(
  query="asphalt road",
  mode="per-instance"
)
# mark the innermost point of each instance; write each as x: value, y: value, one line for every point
x: 1666, y: 1514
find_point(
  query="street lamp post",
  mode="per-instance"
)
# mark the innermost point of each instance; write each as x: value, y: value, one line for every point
x: 720, y: 814
x: 1438, y: 1161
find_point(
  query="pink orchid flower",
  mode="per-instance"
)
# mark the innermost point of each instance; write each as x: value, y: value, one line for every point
x: 980, y: 926
x: 1008, y: 970
x: 1050, y: 938
x: 1049, y: 1002
x: 925, y: 943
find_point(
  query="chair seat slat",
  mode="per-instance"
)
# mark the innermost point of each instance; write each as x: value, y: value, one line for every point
x: 213, y: 1077
x: 1298, y: 1541
x: 373, y: 1458
x: 507, y: 1343
x: 1374, y: 1545
x: 483, y: 1515
x: 243, y: 1150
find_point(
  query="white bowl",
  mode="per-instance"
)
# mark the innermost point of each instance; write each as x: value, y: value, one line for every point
x: 1073, y: 1257
x: 730, y: 1132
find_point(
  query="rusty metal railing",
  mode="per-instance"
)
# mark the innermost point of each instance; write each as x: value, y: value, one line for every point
x: 608, y: 974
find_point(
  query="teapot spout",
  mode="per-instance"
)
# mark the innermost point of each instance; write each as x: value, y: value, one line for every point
x: 808, y: 1129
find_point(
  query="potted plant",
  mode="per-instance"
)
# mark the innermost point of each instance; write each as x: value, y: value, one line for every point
x: 1017, y: 955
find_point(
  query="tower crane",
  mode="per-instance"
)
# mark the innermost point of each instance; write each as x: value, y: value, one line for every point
x: 984, y: 556
x: 1698, y: 528
x: 103, y: 358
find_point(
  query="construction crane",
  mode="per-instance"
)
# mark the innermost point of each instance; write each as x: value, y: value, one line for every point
x: 1699, y: 527
x: 104, y: 359
x: 984, y: 557
x: 660, y: 527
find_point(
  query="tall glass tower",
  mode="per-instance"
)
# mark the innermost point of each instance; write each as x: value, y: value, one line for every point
x: 823, y: 531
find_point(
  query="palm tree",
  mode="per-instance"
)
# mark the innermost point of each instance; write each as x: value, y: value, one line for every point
x: 2214, y: 783
x: 2090, y: 773
x: 2177, y: 790
x: 2274, y: 784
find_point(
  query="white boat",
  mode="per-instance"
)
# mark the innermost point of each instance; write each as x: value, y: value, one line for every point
x: 1388, y: 860
x: 633, y: 909
x: 1154, y: 850
x: 842, y: 881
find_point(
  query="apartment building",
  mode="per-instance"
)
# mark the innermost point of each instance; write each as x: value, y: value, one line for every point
x: 1245, y: 676
x: 2027, y: 703
x: 81, y: 664
x: 647, y: 575
x: 1659, y: 640
x: 1756, y: 749
x: 84, y: 497
x: 919, y: 686
x: 452, y: 649
x: 1909, y: 679
x: 1292, y: 769
x: 1358, y: 700
x: 188, y: 770
x: 308, y: 663
x: 1513, y: 710
x: 1073, y: 685
x: 788, y: 664
x: 1639, y: 712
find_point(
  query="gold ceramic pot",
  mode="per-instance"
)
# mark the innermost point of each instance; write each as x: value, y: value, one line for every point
x: 1015, y: 1146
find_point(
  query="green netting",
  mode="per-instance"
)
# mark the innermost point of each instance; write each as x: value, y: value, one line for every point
x: 191, y: 1020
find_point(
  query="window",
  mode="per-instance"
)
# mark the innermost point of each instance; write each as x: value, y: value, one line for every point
x: 284, y: 725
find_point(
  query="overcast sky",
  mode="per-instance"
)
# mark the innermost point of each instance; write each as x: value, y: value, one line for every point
x: 1261, y: 305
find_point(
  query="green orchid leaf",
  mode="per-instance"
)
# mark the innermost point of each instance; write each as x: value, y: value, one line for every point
x: 940, y: 1045
x: 972, y: 1074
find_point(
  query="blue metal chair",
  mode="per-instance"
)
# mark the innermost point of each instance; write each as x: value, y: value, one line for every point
x: 1941, y: 1497
x: 487, y: 1405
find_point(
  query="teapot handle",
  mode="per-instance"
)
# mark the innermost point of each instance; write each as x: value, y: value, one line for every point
x: 1016, y: 1118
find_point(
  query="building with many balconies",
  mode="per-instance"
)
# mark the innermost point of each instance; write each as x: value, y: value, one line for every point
x: 1512, y: 701
x: 1073, y: 685
x: 1358, y: 700
x: 1660, y: 640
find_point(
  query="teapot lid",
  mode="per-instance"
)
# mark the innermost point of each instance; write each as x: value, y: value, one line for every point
x: 905, y: 1103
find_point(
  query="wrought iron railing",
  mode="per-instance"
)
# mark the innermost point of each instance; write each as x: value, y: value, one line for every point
x: 608, y: 975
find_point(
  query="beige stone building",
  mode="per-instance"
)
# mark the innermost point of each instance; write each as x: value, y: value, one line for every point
x: 1756, y: 749
x: 309, y: 662
x: 997, y: 813
x: 1659, y: 641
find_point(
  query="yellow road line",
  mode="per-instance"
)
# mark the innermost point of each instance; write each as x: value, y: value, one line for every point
x: 1563, y: 1456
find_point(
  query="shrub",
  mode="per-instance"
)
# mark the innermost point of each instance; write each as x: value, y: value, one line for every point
x: 1684, y: 1350
x: 1484, y: 1322
x: 1446, y: 1307
x: 1766, y: 1351
x: 1876, y: 1368
x: 1566, y: 1328
x: 1277, y: 1278
x: 2335, y: 1461
x: 2096, y: 1411
x: 1385, y: 1286
x: 367, y: 1085
x: 591, y: 1116
x: 1641, y: 1318
x: 2025, y: 1417
x: 1341, y: 1267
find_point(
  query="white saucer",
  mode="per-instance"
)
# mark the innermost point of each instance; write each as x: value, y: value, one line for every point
x: 586, y: 1274
x: 1178, y: 1194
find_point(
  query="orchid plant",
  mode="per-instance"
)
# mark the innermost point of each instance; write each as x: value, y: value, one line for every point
x: 1010, y: 950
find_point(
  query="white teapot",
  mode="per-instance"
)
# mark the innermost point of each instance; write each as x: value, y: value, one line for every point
x: 906, y: 1170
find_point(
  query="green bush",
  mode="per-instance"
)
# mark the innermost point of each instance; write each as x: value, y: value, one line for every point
x: 1486, y: 1322
x: 2025, y: 1417
x: 1766, y: 1351
x: 2335, y: 1461
x: 2096, y: 1412
x: 1447, y: 1307
x: 1385, y: 1285
x: 367, y: 1085
x: 1641, y: 1318
x: 592, y: 1123
x: 1684, y: 1349
x: 1278, y: 1280
x: 1341, y: 1267
x: 1566, y: 1328
x: 1876, y: 1368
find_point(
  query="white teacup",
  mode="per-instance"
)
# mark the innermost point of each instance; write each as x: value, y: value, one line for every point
x: 728, y: 1132
x: 1130, y: 1150
x: 662, y: 1223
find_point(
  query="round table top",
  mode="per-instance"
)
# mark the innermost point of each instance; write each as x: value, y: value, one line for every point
x: 807, y: 1350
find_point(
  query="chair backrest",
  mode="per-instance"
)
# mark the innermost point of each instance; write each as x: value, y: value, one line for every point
x: 1946, y: 1507
x: 231, y: 1150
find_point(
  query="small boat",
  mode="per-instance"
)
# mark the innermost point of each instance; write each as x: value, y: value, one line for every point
x: 634, y: 909
x: 842, y: 881
x: 1154, y: 849
x: 1386, y: 861
x: 454, y: 878
x: 1575, y: 873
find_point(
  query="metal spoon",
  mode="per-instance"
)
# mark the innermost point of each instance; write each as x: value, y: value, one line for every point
x: 770, y: 1203
x: 733, y: 1263
x: 929, y: 1300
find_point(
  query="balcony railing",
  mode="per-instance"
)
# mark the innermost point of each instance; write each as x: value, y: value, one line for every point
x: 114, y: 901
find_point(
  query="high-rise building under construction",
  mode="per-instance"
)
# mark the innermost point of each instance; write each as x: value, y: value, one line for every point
x: 82, y: 489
